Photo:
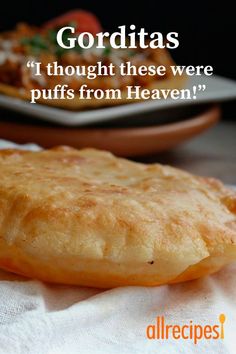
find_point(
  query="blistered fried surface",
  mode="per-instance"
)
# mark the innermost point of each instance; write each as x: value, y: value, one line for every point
x: 86, y: 217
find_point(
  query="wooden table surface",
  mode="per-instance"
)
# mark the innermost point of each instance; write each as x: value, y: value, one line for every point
x: 211, y: 154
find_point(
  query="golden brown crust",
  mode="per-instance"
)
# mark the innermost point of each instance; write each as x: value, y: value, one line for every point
x: 86, y: 217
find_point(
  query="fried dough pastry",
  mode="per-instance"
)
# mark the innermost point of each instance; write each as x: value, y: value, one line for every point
x: 86, y: 217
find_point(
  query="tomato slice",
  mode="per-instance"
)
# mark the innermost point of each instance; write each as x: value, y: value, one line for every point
x: 85, y: 21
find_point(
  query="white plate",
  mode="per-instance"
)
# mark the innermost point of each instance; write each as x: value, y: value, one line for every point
x: 217, y: 89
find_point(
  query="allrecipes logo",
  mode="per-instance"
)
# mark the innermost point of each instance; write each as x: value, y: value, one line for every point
x: 191, y: 331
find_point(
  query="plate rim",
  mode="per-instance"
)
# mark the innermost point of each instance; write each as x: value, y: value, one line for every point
x: 87, y: 117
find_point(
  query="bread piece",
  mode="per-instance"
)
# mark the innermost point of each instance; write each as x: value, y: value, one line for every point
x: 88, y: 218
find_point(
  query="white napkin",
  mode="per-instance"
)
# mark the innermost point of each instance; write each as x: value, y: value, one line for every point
x: 37, y: 318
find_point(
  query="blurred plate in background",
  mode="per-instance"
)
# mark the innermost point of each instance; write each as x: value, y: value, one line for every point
x: 218, y: 89
x: 125, y: 141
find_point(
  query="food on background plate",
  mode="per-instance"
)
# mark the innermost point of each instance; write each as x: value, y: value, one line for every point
x: 89, y: 218
x: 83, y: 21
x: 39, y: 44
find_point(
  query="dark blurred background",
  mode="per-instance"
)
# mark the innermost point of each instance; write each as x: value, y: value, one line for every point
x: 207, y: 30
